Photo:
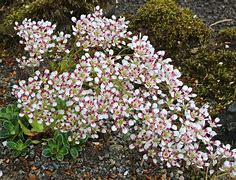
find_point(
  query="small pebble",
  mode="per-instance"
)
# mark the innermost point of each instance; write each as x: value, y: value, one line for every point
x: 126, y: 173
x: 4, y: 143
x: 112, y: 162
x: 1, y: 174
x: 56, y: 166
x: 21, y: 172
x: 37, y: 163
x: 100, y: 158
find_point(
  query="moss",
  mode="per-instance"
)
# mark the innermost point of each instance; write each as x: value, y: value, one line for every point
x: 169, y: 26
x: 228, y: 34
x: 16, y: 14
x: 213, y: 75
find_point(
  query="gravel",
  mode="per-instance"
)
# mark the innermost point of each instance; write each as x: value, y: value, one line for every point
x: 215, y: 13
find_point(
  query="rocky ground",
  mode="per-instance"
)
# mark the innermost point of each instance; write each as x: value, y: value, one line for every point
x: 109, y: 157
x: 215, y: 13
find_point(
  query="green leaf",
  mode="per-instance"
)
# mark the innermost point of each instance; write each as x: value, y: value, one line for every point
x: 8, y: 125
x: 59, y: 157
x: 74, y: 152
x: 7, y: 116
x: 3, y: 110
x: 25, y: 129
x: 65, y: 141
x: 51, y: 142
x: 54, y: 149
x: 47, y: 152
x: 59, y: 139
x: 15, y: 120
x: 20, y: 145
x: 11, y: 145
x: 63, y: 151
x: 17, y: 153
x: 2, y: 119
x: 37, y: 127
x: 4, y: 134
x: 9, y: 109
x: 28, y: 142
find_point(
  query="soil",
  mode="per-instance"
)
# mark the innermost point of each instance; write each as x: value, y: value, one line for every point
x: 109, y: 157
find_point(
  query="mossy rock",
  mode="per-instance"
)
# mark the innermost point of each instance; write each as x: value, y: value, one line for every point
x: 228, y: 34
x: 170, y: 27
x: 212, y: 74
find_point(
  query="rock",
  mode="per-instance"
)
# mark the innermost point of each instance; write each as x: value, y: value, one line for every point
x: 227, y: 133
x: 115, y: 148
x: 232, y: 107
x: 32, y: 177
x: 112, y: 162
x: 126, y: 173
x: 48, y: 173
x: 100, y: 158
x: 4, y: 143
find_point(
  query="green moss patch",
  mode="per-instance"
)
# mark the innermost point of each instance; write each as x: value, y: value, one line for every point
x: 213, y: 75
x: 169, y: 26
x: 228, y: 34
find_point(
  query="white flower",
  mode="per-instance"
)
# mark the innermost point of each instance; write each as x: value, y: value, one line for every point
x: 114, y: 128
x: 74, y: 19
x: 69, y: 103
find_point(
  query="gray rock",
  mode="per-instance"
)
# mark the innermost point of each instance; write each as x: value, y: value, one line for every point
x: 232, y: 107
x: 227, y: 133
x: 115, y: 148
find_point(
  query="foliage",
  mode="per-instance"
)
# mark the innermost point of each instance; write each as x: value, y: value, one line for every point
x: 11, y: 130
x: 59, y: 146
x: 170, y: 26
x: 228, y: 34
x: 9, y: 117
x: 18, y: 147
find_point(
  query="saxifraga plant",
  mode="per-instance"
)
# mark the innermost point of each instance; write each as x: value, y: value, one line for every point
x: 119, y: 83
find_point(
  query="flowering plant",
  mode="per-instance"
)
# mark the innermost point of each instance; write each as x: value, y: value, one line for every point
x: 38, y: 39
x: 120, y: 84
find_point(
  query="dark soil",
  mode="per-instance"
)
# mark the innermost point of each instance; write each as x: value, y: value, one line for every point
x: 109, y: 157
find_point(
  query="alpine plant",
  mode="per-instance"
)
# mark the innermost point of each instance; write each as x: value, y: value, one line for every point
x: 138, y: 93
x: 38, y: 39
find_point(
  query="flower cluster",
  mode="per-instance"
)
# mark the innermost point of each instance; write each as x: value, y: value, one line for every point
x: 139, y: 94
x: 94, y: 30
x: 38, y: 39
